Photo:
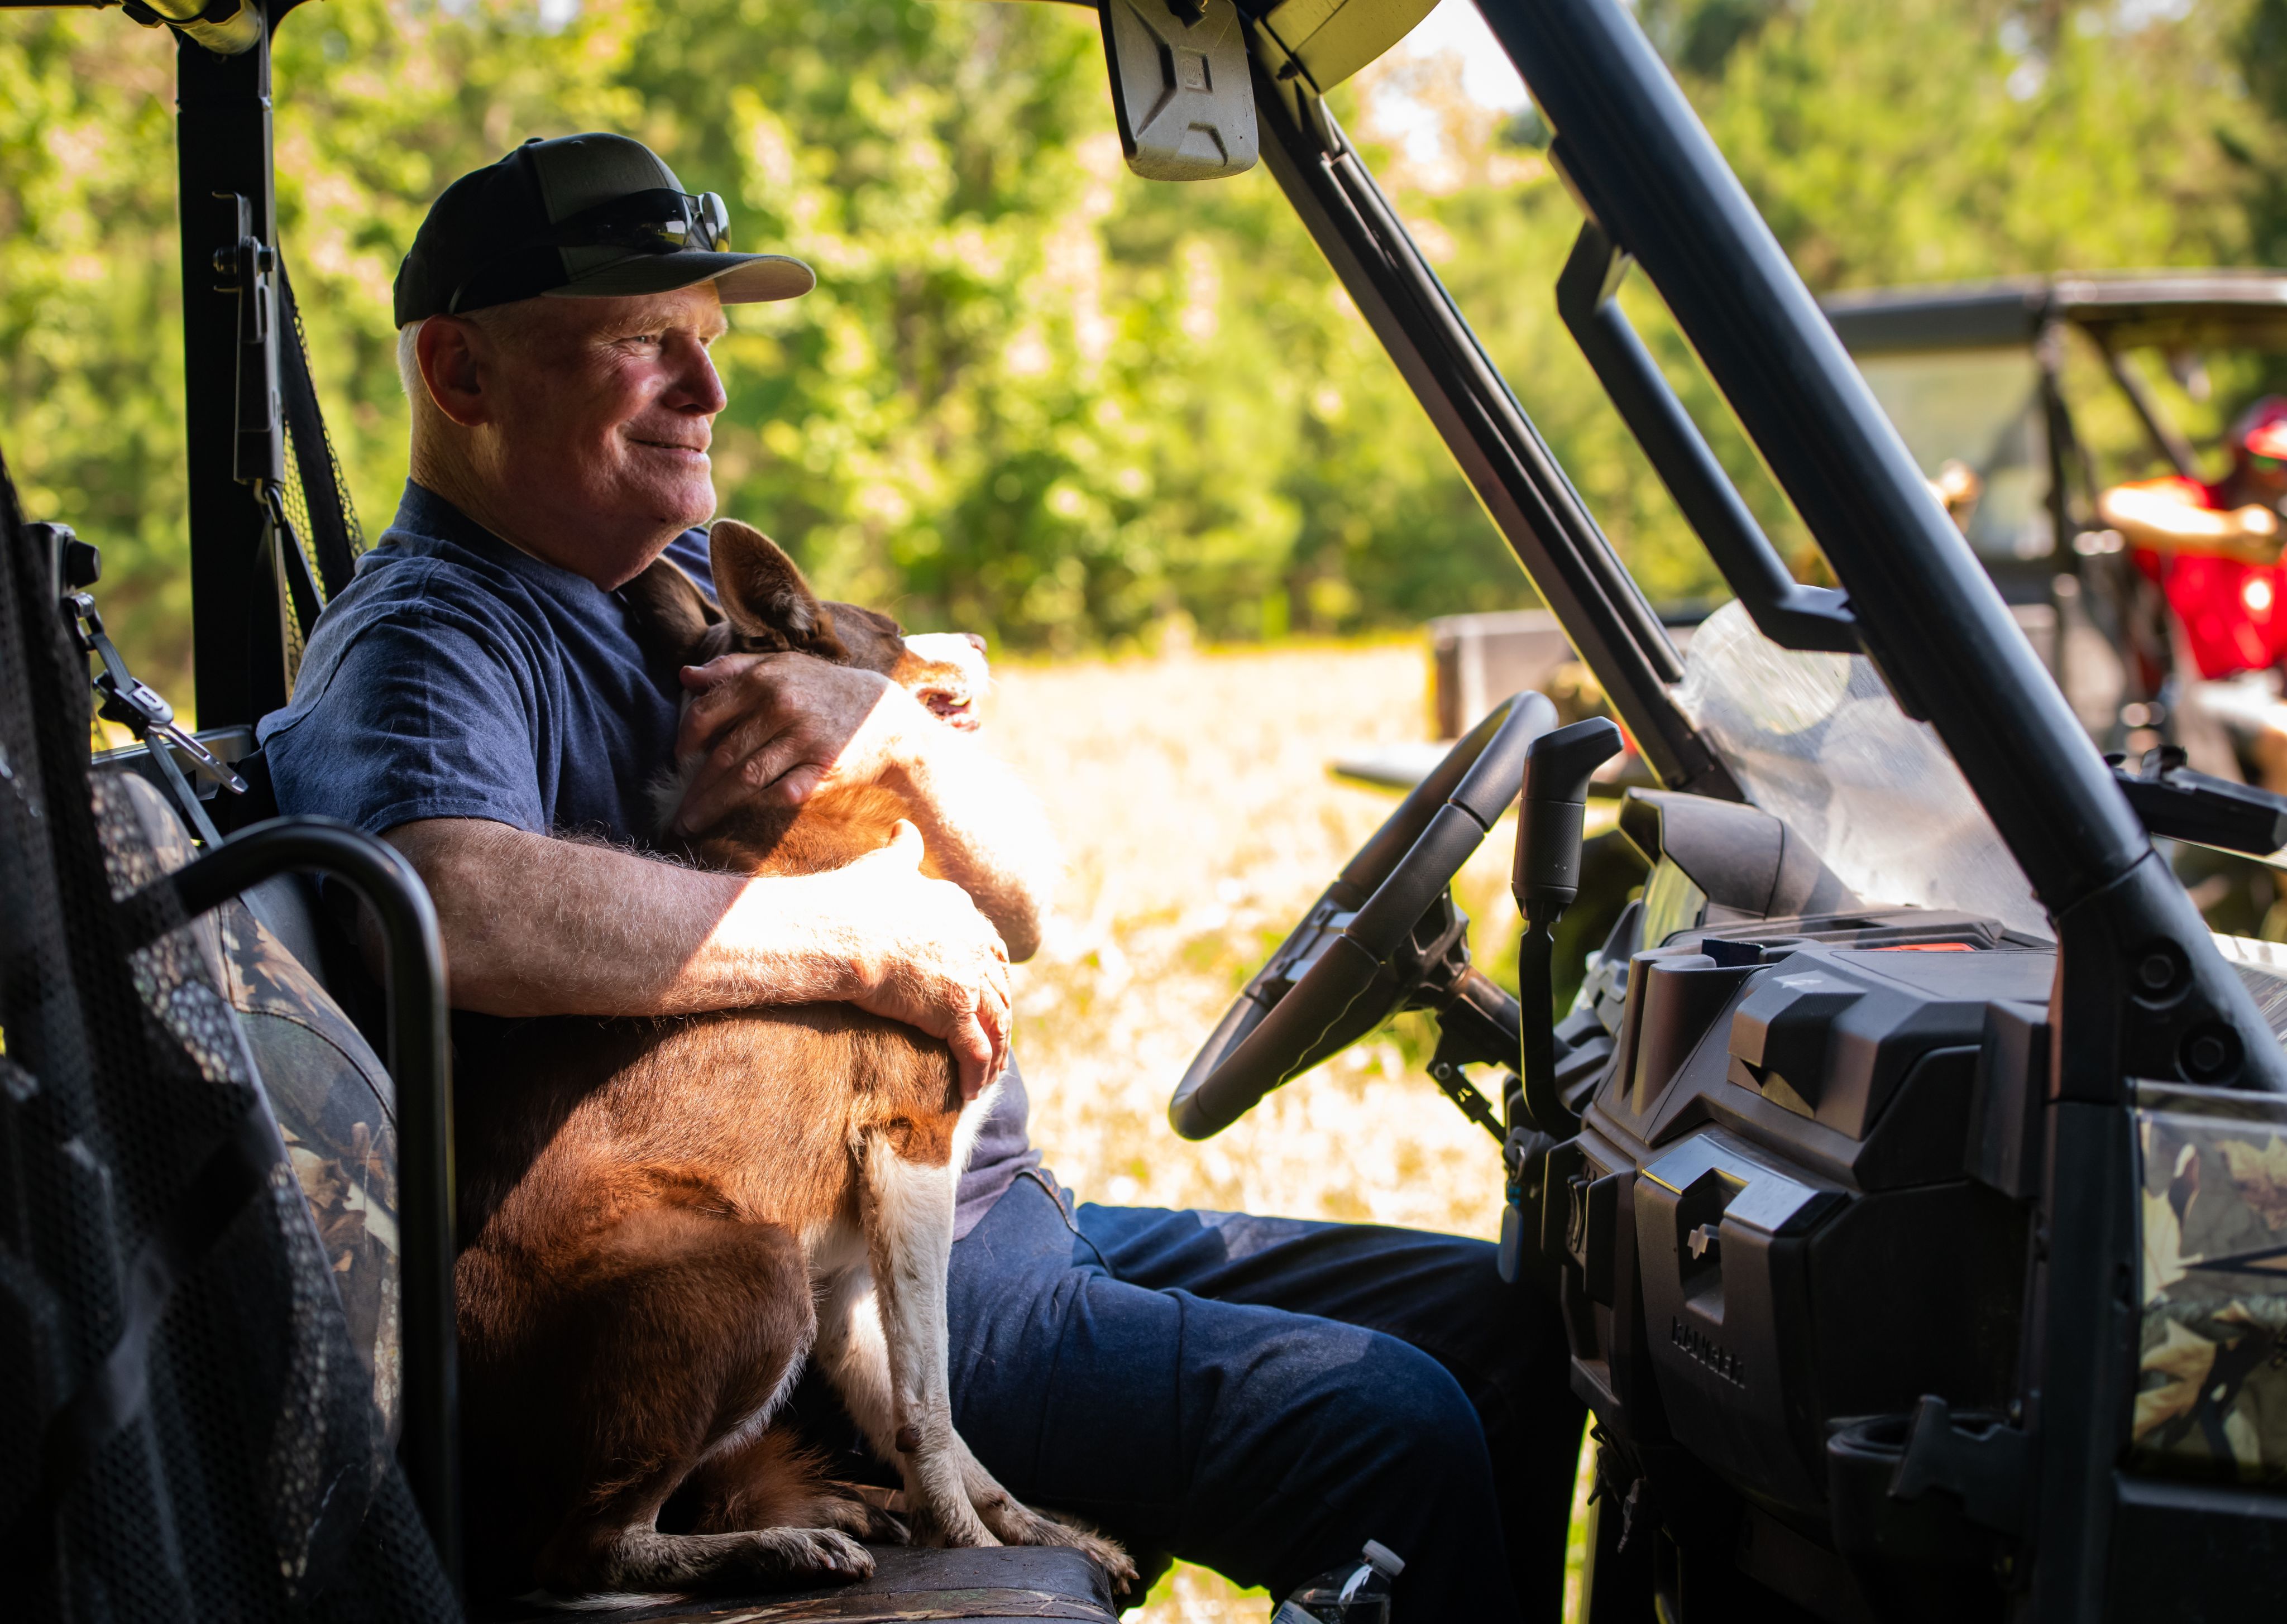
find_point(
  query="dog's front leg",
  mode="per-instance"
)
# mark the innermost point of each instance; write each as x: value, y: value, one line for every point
x: 907, y: 1212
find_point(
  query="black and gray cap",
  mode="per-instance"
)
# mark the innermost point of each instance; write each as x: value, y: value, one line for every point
x: 578, y: 217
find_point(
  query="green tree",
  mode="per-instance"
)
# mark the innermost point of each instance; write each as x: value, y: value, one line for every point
x: 1034, y: 395
x: 90, y: 348
x: 1926, y: 140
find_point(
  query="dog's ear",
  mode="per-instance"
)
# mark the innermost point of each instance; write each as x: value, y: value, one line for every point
x: 763, y: 593
x: 670, y: 615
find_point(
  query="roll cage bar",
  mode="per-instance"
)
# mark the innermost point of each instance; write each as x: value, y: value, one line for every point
x: 1658, y: 196
x: 2119, y: 310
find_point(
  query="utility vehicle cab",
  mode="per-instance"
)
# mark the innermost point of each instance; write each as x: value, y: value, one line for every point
x: 2048, y: 390
x: 1908, y: 1166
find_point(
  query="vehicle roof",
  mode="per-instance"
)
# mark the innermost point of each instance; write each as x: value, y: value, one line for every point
x: 2124, y: 310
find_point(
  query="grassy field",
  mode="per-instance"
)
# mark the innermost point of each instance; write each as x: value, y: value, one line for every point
x: 1198, y: 820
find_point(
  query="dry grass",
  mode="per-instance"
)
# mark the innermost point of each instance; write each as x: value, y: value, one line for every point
x: 1198, y: 820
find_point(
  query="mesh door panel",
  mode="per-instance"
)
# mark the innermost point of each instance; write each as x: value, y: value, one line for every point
x: 185, y: 1429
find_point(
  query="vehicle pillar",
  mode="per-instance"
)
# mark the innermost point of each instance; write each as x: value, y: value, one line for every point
x: 223, y: 139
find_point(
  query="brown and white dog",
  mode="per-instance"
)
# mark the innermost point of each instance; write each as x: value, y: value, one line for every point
x: 664, y: 1220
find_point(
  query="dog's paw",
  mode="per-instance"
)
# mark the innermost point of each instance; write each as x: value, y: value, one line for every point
x: 868, y: 1522
x: 1109, y: 1555
x: 644, y: 1562
x: 950, y: 1527
x: 783, y: 1553
x: 1018, y: 1524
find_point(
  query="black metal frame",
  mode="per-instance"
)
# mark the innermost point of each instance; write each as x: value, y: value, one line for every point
x: 234, y: 308
x: 222, y: 145
x: 1657, y: 189
x: 1513, y: 472
x: 1789, y: 613
x: 1657, y: 192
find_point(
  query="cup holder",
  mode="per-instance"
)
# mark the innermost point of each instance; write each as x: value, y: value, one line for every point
x: 1910, y: 1556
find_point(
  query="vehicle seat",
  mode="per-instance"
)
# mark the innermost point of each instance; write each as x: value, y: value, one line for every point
x: 269, y: 952
x: 1004, y: 1585
x: 335, y: 1104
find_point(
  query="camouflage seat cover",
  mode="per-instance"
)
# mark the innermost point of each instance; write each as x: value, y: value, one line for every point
x: 2212, y: 1382
x: 332, y: 1099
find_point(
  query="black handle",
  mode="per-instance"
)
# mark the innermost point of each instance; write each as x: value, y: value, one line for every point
x: 1557, y: 769
x: 420, y: 1065
x: 1546, y: 879
x: 1790, y: 615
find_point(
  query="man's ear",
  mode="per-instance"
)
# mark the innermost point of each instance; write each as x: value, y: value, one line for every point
x: 447, y: 350
x: 763, y: 591
x: 669, y: 613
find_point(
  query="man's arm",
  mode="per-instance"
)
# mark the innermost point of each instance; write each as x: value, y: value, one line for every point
x: 2167, y: 523
x: 538, y: 926
x: 780, y: 727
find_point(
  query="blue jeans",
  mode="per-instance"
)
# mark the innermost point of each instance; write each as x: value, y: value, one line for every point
x: 1262, y: 1395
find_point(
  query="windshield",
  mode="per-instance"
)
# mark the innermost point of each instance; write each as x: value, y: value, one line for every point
x: 1982, y: 408
x: 1816, y: 741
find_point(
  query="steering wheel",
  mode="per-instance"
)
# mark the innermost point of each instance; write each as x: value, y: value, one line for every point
x: 1384, y: 936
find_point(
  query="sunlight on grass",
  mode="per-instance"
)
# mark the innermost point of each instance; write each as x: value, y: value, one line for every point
x: 1191, y: 1594
x: 1199, y: 821
x: 1575, y: 1542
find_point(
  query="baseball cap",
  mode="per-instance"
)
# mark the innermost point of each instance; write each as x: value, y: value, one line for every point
x: 588, y: 216
x: 2261, y: 429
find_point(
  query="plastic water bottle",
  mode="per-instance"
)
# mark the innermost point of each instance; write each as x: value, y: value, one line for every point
x: 1355, y: 1593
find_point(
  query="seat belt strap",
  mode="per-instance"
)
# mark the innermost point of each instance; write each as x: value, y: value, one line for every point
x: 333, y: 532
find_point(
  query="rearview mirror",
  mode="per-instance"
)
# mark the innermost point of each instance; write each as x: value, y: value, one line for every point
x: 1180, y: 87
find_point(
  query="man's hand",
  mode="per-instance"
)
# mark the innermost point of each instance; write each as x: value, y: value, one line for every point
x: 2254, y: 537
x: 921, y: 954
x: 2162, y: 518
x: 777, y: 727
x: 781, y: 727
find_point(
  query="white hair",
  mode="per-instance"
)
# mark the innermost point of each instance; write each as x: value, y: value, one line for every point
x: 408, y: 360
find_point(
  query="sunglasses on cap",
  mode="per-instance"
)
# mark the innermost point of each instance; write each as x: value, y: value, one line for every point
x: 655, y: 222
x: 658, y: 221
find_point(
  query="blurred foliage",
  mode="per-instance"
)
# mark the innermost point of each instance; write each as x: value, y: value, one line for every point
x: 1033, y: 395
x: 1925, y: 140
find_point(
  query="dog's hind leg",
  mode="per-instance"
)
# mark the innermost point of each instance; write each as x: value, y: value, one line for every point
x: 885, y: 1352
x: 678, y: 1335
x: 905, y: 1208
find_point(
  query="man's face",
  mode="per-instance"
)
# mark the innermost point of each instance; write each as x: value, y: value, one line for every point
x: 600, y: 424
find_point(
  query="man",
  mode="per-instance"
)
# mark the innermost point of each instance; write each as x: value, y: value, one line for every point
x: 1260, y: 1395
x: 2214, y: 551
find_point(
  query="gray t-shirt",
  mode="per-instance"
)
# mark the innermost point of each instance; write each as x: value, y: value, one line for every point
x: 1004, y: 1150
x: 457, y: 677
